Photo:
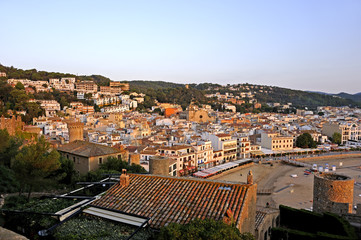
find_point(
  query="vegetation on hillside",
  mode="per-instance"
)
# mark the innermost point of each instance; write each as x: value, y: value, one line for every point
x: 177, y: 93
x: 355, y: 97
x: 302, y: 99
x: 206, y: 229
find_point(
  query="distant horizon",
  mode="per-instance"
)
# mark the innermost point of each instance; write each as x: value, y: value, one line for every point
x: 305, y: 45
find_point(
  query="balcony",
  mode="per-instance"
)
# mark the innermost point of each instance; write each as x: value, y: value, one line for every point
x: 230, y: 147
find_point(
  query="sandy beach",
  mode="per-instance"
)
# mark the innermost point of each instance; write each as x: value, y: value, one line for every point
x: 294, y: 192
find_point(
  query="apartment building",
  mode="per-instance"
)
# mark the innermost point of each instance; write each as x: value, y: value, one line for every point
x: 86, y: 86
x: 225, y: 143
x: 50, y: 107
x: 243, y: 146
x: 276, y: 142
x: 123, y: 86
x: 204, y: 154
x: 185, y: 156
x: 63, y: 84
x: 81, y: 108
x: 110, y: 90
x: 348, y: 130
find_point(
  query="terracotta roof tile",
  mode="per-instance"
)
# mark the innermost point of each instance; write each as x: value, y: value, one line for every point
x: 172, y: 199
x: 87, y: 149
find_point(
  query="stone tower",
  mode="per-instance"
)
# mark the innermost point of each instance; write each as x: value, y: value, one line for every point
x: 332, y: 193
x: 159, y: 165
x: 75, y: 130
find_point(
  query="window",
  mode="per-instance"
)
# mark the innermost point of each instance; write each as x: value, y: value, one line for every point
x: 74, y: 159
x: 100, y: 160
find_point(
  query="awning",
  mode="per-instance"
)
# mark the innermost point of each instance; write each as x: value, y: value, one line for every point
x: 116, y: 216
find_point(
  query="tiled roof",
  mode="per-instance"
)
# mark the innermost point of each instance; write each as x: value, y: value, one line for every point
x: 259, y: 218
x: 87, y: 149
x: 261, y: 213
x: 172, y: 199
x: 223, y: 135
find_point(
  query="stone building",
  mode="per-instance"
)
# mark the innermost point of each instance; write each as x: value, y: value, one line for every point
x: 332, y: 193
x: 159, y: 165
x: 13, y: 124
x: 194, y: 114
x: 75, y: 130
x: 87, y: 156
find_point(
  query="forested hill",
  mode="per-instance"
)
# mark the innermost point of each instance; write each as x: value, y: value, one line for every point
x: 35, y: 75
x: 355, y: 97
x: 164, y: 91
x: 155, y: 85
x: 177, y: 93
x: 304, y: 99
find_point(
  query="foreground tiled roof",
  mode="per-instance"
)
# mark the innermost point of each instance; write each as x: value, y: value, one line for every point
x: 172, y: 199
x: 87, y: 149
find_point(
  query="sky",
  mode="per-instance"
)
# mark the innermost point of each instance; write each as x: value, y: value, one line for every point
x: 298, y: 44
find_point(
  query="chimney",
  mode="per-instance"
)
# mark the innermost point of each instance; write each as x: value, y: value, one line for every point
x: 250, y: 177
x: 124, y: 178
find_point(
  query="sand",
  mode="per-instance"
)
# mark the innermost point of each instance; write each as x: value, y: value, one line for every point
x: 294, y: 192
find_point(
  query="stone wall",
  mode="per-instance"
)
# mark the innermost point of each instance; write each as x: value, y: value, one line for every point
x: 75, y: 131
x: 343, y: 155
x: 247, y: 165
x: 332, y: 193
x: 9, y: 235
x: 159, y: 165
x: 11, y: 124
x: 248, y: 217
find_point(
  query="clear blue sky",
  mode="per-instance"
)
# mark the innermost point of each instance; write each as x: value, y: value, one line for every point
x: 299, y: 44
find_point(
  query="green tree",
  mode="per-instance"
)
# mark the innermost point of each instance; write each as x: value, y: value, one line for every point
x: 9, y: 146
x: 18, y: 99
x: 207, y: 229
x: 113, y: 163
x: 88, y: 95
x: 63, y: 102
x: 8, y: 182
x: 33, y: 109
x: 66, y: 172
x: 336, y: 138
x: 116, y: 164
x: 34, y: 163
x: 305, y: 140
x: 19, y: 86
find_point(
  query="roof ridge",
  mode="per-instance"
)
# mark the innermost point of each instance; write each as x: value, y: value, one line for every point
x: 190, y: 180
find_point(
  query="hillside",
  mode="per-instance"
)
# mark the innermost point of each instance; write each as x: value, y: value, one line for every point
x: 177, y: 93
x: 355, y: 97
x: 304, y: 99
x: 141, y: 85
x: 35, y: 75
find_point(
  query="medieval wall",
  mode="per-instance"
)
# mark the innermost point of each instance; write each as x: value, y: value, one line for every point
x: 332, y: 193
x: 11, y: 124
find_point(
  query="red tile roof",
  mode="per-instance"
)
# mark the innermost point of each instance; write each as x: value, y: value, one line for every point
x: 172, y: 199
